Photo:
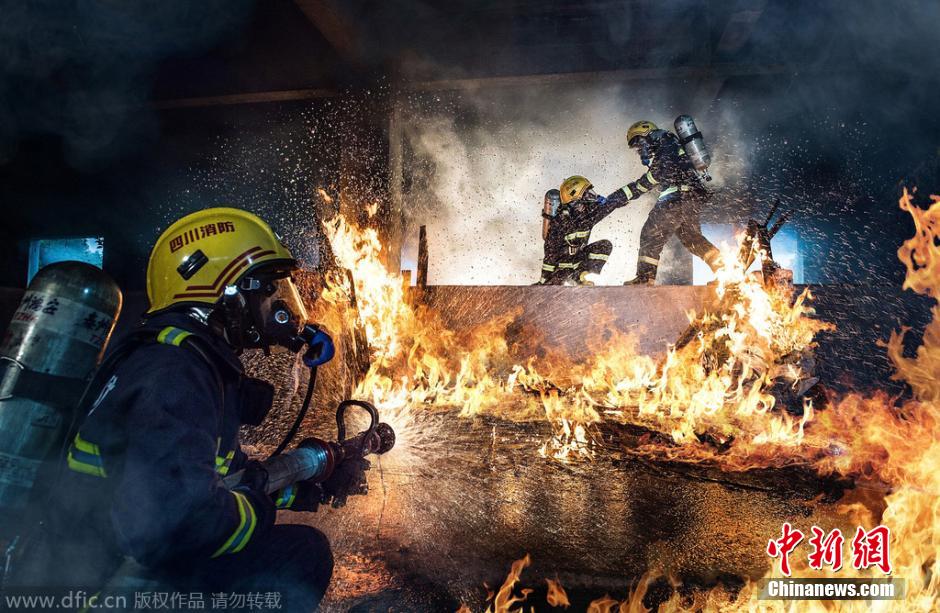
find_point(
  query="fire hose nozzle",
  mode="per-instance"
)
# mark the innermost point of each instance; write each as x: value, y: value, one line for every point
x: 315, y: 459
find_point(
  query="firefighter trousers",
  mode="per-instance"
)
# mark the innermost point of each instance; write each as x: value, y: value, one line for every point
x: 677, y: 213
x: 294, y: 561
x: 590, y: 258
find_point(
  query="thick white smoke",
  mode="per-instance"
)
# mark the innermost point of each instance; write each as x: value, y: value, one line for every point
x: 488, y: 176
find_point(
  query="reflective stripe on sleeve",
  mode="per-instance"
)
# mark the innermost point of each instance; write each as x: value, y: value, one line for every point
x: 574, y: 235
x: 172, y: 336
x: 286, y: 497
x: 629, y: 192
x: 649, y: 177
x: 548, y: 268
x: 247, y: 520
x: 649, y: 260
x: 222, y: 464
x: 598, y: 256
x: 85, y: 457
x: 568, y: 265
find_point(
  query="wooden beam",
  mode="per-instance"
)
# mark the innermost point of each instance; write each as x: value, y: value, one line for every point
x: 422, y: 257
x: 336, y: 28
x: 612, y: 76
x: 252, y: 98
x: 718, y: 71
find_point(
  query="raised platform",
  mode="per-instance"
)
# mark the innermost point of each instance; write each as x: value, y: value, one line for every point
x: 570, y: 318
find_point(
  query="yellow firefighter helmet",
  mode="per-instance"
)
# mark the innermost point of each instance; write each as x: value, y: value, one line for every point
x: 200, y: 255
x: 573, y: 188
x: 640, y: 128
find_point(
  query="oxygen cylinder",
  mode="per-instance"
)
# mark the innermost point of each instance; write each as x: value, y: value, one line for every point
x: 55, y: 340
x: 549, y: 209
x: 693, y: 143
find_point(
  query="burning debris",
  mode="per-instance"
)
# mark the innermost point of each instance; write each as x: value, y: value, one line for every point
x: 713, y: 400
x: 718, y: 387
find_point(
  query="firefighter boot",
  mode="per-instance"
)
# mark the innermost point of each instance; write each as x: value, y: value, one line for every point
x: 645, y: 271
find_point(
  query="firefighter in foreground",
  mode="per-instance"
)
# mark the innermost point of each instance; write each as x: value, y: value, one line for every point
x: 569, y: 255
x: 678, y: 207
x: 144, y: 471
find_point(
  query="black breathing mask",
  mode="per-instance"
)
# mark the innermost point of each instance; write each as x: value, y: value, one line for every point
x: 264, y: 311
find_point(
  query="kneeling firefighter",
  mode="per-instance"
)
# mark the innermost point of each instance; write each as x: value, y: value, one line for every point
x: 144, y: 474
x: 569, y: 254
x: 678, y: 208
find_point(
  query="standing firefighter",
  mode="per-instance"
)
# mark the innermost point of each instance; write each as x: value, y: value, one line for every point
x: 679, y: 205
x: 144, y: 469
x: 569, y: 254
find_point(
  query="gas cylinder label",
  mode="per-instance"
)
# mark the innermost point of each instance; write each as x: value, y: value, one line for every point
x: 17, y: 470
x: 60, y: 316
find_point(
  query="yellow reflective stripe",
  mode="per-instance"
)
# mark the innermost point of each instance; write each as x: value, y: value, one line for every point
x: 568, y: 265
x: 598, y: 256
x: 642, y: 189
x: 286, y: 498
x: 85, y: 446
x: 649, y: 177
x: 85, y: 457
x: 222, y: 464
x: 649, y: 260
x: 85, y: 468
x: 172, y: 335
x: 548, y: 268
x: 577, y: 235
x: 246, y: 527
x: 668, y: 190
x: 681, y: 151
x: 626, y: 189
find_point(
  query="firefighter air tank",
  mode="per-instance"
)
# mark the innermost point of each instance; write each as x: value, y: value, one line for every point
x: 550, y: 206
x: 693, y: 143
x: 55, y: 340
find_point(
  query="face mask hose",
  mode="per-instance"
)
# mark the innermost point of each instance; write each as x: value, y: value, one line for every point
x: 320, y: 350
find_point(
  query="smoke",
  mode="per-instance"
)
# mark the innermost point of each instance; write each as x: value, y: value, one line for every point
x: 483, y: 162
x: 845, y: 113
x: 83, y: 71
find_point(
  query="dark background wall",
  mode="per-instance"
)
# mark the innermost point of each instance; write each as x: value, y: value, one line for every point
x: 115, y: 119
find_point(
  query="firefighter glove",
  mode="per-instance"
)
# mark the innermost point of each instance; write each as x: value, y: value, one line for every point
x: 348, y: 479
x: 300, y: 496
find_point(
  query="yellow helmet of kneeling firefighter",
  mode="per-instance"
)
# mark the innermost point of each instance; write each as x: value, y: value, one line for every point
x: 574, y: 188
x: 640, y: 128
x: 197, y: 257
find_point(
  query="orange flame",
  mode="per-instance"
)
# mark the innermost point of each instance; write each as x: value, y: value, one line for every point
x: 504, y: 598
x: 718, y: 385
x: 556, y: 597
x: 604, y: 604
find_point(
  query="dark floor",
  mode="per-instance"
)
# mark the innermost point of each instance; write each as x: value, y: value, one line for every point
x: 442, y: 522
